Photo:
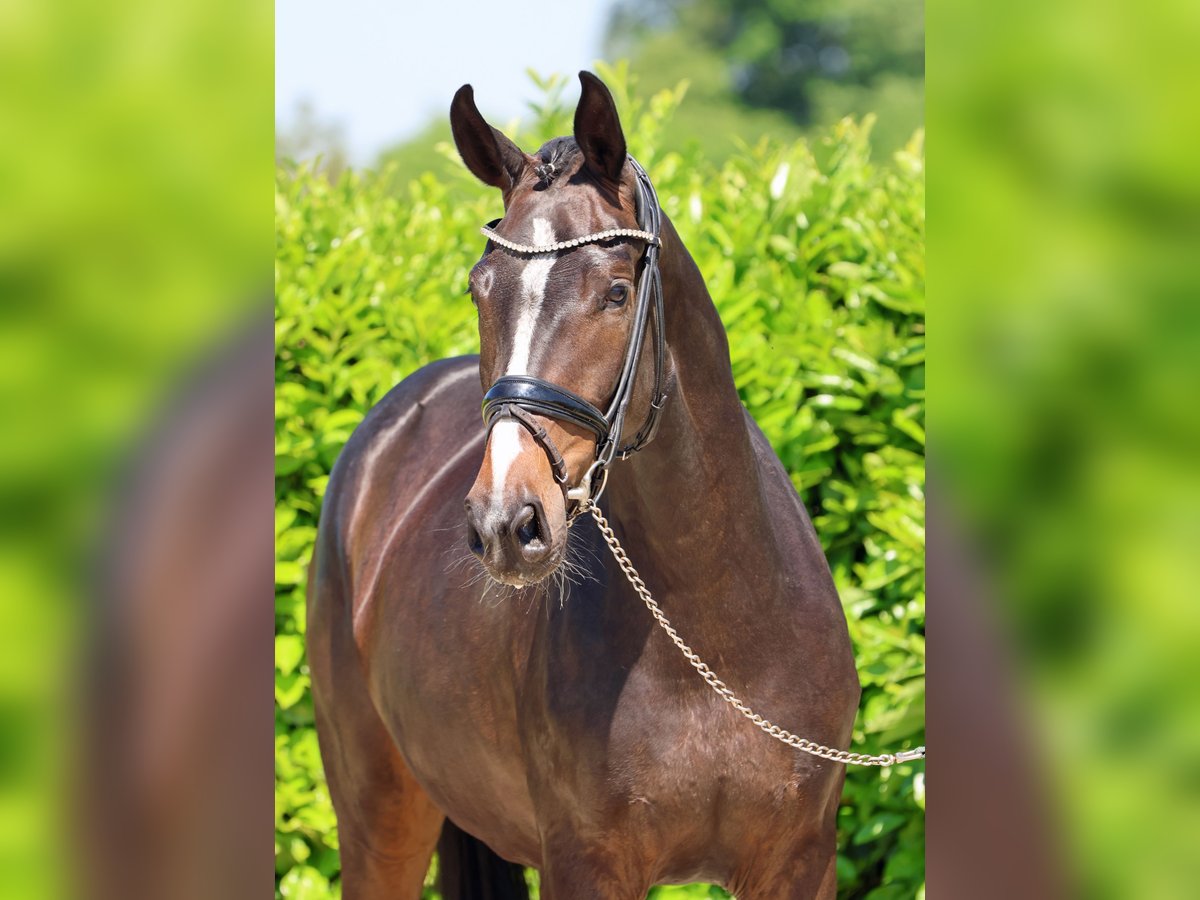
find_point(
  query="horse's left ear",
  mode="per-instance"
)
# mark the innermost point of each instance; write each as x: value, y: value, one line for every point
x: 487, y: 152
x: 598, y: 129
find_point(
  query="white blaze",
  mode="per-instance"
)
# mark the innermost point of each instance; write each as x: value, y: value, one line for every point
x: 533, y: 291
x: 505, y: 448
x: 506, y: 436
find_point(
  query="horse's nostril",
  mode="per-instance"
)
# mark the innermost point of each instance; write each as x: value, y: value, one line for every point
x: 526, y: 526
x: 474, y: 541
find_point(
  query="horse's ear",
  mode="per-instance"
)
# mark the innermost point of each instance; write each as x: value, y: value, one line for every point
x: 491, y: 157
x: 598, y: 129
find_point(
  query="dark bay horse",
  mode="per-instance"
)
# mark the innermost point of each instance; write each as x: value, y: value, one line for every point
x: 537, y: 715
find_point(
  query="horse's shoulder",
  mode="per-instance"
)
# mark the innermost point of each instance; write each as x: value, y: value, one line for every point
x: 428, y: 402
x: 450, y: 381
x: 406, y: 438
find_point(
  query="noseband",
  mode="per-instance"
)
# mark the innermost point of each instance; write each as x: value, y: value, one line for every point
x: 520, y: 397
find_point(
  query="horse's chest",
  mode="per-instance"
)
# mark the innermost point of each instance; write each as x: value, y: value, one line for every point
x: 653, y: 746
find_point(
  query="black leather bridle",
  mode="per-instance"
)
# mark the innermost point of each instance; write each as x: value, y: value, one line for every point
x: 520, y: 397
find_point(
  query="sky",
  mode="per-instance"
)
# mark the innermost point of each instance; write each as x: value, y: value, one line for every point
x: 382, y: 70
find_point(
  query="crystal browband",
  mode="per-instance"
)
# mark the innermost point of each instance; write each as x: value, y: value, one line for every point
x: 567, y: 245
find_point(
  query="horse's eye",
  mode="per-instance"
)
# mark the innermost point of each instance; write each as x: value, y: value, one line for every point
x: 617, y: 294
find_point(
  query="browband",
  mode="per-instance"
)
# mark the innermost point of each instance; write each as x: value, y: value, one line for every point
x: 596, y: 238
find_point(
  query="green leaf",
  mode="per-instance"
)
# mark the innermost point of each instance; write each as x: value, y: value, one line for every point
x: 290, y: 689
x: 832, y: 401
x: 304, y: 883
x: 877, y: 826
x: 289, y: 650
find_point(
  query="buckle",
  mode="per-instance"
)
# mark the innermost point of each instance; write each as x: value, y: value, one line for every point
x: 582, y: 492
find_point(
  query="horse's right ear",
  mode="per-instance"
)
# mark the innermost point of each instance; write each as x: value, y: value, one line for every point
x: 491, y: 157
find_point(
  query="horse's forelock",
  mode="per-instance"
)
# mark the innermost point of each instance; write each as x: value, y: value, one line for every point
x: 561, y: 164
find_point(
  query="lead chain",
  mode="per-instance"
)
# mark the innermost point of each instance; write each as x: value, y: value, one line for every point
x: 722, y: 689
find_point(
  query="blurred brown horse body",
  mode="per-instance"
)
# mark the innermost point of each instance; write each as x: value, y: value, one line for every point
x: 550, y: 723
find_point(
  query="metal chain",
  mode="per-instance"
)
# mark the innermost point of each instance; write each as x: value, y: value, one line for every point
x: 780, y: 734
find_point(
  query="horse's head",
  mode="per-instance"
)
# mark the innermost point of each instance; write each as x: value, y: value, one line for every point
x: 562, y: 317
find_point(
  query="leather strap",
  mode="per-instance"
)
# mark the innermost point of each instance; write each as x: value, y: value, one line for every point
x: 650, y: 311
x: 542, y: 437
x: 544, y: 398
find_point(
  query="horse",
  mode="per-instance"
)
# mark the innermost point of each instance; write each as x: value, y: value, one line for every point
x: 530, y: 713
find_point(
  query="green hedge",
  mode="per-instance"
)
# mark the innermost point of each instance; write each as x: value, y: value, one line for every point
x: 815, y: 258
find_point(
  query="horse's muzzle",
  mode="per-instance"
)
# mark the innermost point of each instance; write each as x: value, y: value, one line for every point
x: 514, y: 544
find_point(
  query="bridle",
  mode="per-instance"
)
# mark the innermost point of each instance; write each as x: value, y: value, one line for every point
x: 520, y: 397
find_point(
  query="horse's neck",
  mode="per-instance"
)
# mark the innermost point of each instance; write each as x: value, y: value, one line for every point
x: 693, y: 496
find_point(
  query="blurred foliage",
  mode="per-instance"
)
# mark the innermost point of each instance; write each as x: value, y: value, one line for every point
x: 1068, y: 222
x: 308, y: 136
x: 132, y: 167
x: 815, y: 258
x: 792, y: 63
x: 780, y: 69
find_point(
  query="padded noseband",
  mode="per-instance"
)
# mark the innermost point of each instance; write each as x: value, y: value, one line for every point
x: 545, y: 399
